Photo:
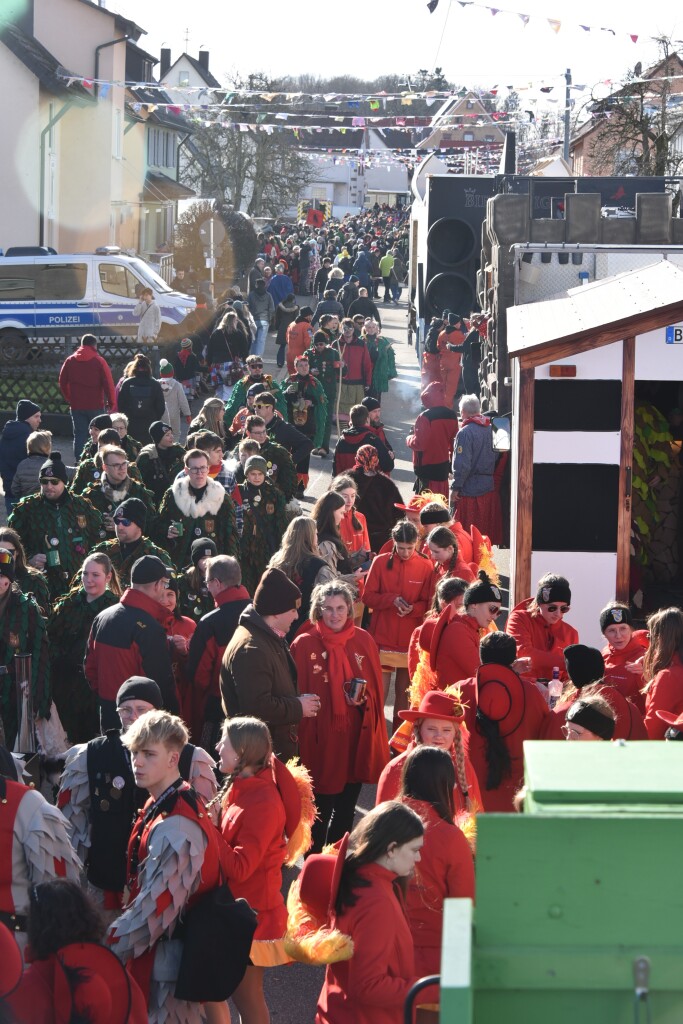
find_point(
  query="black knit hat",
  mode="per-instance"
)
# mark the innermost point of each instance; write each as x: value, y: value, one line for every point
x: 433, y: 514
x: 556, y: 589
x: 584, y: 664
x: 615, y: 615
x: 25, y: 409
x: 133, y: 509
x: 102, y: 421
x: 53, y: 467
x: 149, y: 569
x: 202, y: 547
x: 140, y: 688
x: 371, y: 403
x: 157, y: 430
x: 276, y: 593
x: 481, y: 591
x: 305, y: 311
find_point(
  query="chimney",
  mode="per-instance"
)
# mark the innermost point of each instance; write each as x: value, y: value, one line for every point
x: 165, y: 61
x: 203, y: 59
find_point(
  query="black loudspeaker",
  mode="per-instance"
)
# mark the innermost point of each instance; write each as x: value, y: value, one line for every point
x: 456, y: 209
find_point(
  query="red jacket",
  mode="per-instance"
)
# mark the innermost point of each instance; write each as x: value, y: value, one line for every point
x: 299, y: 339
x: 390, y: 577
x: 627, y: 681
x: 253, y: 825
x: 129, y: 639
x: 629, y: 723
x: 454, y: 653
x: 664, y: 694
x: 433, y: 435
x: 360, y: 752
x: 358, y: 363
x: 537, y: 640
x: 85, y: 380
x: 371, y: 987
x: 530, y: 727
x: 445, y: 871
x: 389, y: 784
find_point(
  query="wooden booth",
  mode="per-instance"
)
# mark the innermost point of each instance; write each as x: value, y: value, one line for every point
x: 583, y: 367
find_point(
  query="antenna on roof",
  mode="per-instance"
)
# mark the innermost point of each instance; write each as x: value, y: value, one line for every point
x: 187, y: 40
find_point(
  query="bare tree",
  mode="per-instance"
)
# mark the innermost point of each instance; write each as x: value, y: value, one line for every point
x: 638, y: 125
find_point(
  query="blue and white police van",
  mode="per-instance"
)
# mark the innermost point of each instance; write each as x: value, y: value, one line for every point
x: 54, y: 295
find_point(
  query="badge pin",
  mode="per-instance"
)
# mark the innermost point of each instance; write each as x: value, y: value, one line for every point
x: 54, y: 541
x: 197, y: 531
x: 104, y: 805
x: 617, y: 614
x: 118, y: 782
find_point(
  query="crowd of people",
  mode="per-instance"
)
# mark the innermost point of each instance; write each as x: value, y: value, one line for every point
x: 209, y: 665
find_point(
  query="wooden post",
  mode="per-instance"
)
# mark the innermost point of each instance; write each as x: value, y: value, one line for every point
x: 525, y: 479
x: 625, y: 469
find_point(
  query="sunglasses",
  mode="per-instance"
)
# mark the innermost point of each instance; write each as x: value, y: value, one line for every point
x: 50, y: 480
x: 564, y: 608
x: 257, y: 366
x: 494, y: 609
x: 6, y: 558
x: 121, y: 521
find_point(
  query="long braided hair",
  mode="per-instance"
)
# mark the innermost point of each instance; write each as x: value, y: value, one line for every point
x: 250, y: 739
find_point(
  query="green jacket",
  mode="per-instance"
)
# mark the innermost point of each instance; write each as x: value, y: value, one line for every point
x: 107, y: 503
x: 308, y: 389
x: 212, y: 516
x: 383, y: 362
x: 123, y: 565
x: 157, y: 472
x: 23, y: 631
x: 325, y: 368
x: 238, y: 397
x: 281, y: 469
x: 90, y: 472
x: 263, y: 524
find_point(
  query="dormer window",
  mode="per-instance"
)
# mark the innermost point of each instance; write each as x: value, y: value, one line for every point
x: 183, y: 78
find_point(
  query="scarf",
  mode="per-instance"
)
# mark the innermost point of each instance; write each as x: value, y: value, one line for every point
x: 338, y: 668
x: 367, y: 458
x: 184, y: 355
x: 482, y: 420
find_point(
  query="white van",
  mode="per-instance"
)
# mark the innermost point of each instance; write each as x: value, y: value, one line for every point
x: 48, y: 296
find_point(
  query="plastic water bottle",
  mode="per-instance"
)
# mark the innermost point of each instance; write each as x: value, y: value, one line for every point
x: 554, y: 688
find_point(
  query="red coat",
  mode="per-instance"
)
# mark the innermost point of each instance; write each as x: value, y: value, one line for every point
x: 461, y: 569
x: 34, y: 1001
x: 354, y: 540
x: 629, y: 723
x: 360, y: 752
x: 537, y: 640
x: 299, y: 337
x: 664, y: 694
x: 85, y: 380
x: 455, y: 652
x: 531, y: 726
x: 358, y: 363
x: 389, y: 784
x: 628, y: 682
x: 391, y: 577
x: 371, y: 987
x: 433, y: 434
x: 253, y: 825
x: 445, y: 871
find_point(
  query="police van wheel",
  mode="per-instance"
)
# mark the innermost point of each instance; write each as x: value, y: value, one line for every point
x: 14, y: 347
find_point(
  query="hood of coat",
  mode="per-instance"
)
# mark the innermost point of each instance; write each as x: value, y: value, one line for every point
x: 209, y: 505
x: 84, y: 353
x: 433, y: 395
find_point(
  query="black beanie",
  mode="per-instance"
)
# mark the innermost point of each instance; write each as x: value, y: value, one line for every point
x: 433, y: 514
x: 589, y: 717
x: 615, y: 615
x: 25, y: 409
x: 202, y: 547
x: 133, y: 509
x: 140, y: 688
x: 276, y: 593
x: 371, y: 403
x: 554, y: 591
x: 53, y: 467
x: 481, y: 591
x: 157, y: 430
x: 102, y: 421
x: 584, y: 664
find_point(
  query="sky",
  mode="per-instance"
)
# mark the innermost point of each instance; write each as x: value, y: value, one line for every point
x: 367, y: 38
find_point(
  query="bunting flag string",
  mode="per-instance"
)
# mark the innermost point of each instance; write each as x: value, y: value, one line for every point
x: 555, y: 23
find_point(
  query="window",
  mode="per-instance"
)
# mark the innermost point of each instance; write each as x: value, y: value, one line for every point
x: 183, y: 78
x: 17, y: 282
x: 117, y: 280
x: 468, y: 136
x: 61, y: 282
x: 488, y: 138
x: 161, y: 148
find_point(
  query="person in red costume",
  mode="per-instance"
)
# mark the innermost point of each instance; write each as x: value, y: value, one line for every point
x: 624, y: 652
x: 449, y: 591
x: 345, y: 745
x: 590, y: 719
x: 663, y: 669
x: 432, y: 440
x: 260, y: 808
x: 454, y: 652
x: 585, y: 667
x: 446, y: 868
x: 353, y: 527
x: 362, y: 895
x: 443, y: 550
x: 398, y: 589
x: 538, y: 626
x: 509, y: 710
x: 179, y: 631
x: 450, y: 346
x: 437, y: 722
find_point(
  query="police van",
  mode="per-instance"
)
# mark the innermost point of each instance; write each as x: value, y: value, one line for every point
x: 55, y: 295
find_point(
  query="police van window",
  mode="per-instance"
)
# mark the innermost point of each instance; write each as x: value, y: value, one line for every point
x: 117, y: 280
x: 17, y: 282
x: 61, y: 282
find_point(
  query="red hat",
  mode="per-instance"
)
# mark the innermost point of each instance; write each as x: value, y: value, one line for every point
x: 674, y: 721
x: 101, y: 992
x: 501, y: 697
x: 417, y: 502
x: 435, y: 704
x: 12, y: 963
x: 319, y: 881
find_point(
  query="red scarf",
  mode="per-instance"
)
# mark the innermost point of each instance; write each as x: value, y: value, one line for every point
x: 479, y: 418
x: 339, y: 669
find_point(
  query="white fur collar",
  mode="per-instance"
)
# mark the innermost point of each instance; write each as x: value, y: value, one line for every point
x: 209, y: 505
